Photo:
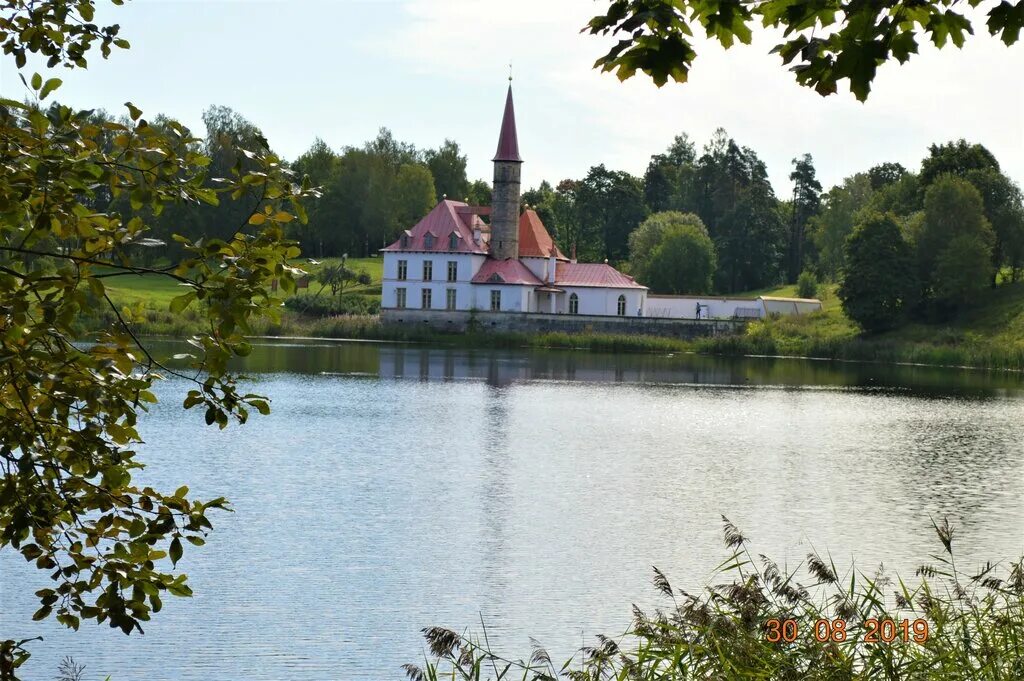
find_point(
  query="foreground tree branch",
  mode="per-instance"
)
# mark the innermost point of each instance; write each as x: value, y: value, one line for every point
x: 68, y: 413
x: 824, y: 41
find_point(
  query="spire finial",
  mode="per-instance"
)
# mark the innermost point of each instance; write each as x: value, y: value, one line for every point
x: 508, y: 144
x: 510, y: 72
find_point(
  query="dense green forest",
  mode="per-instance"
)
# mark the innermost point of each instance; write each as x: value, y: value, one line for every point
x: 959, y: 218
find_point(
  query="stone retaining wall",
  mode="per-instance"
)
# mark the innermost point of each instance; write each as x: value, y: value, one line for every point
x: 458, y: 321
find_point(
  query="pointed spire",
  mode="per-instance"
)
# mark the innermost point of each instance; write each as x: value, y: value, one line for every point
x: 508, y: 142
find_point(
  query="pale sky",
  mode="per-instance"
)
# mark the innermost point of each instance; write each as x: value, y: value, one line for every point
x: 430, y: 69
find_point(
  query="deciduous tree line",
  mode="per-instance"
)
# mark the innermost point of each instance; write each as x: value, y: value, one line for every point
x: 922, y: 245
x: 728, y: 222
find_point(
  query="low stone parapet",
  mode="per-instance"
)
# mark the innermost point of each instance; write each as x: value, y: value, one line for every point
x: 460, y: 321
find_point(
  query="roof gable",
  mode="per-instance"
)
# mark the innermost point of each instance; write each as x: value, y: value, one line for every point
x: 592, y: 274
x: 534, y: 240
x: 509, y: 271
x: 446, y: 217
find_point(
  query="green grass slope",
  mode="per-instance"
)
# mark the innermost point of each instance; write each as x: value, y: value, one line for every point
x: 989, y: 334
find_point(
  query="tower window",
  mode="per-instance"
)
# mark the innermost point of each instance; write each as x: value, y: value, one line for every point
x: 428, y: 270
x: 403, y: 269
x: 495, y: 301
x: 622, y: 306
x: 574, y: 304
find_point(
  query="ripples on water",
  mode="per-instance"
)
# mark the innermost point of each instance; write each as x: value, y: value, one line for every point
x: 396, y: 488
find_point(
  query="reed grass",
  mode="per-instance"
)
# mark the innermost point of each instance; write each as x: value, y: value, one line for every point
x: 975, y: 628
x: 823, y: 335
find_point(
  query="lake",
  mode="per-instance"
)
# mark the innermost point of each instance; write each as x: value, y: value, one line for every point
x: 397, y: 487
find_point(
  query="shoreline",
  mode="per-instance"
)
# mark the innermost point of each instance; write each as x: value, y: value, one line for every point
x: 614, y: 344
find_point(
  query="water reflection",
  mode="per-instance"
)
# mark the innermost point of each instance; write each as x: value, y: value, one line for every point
x: 502, y: 368
x: 397, y: 487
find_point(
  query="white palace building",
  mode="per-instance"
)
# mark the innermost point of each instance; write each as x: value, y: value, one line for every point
x: 454, y: 261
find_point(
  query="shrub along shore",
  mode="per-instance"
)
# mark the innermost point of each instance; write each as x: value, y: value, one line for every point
x: 989, y: 334
x: 825, y: 335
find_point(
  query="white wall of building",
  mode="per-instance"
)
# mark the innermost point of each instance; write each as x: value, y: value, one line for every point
x: 414, y: 284
x: 791, y: 306
x: 543, y: 268
x: 685, y: 307
x: 513, y: 298
x: 602, y: 301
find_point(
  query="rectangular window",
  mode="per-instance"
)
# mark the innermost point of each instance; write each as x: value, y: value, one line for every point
x: 453, y: 270
x: 450, y: 299
x: 400, y: 298
x: 495, y: 301
x: 426, y: 299
x: 428, y: 270
x: 403, y: 269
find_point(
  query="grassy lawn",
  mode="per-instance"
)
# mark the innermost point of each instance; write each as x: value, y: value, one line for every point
x: 990, y: 333
x: 155, y: 291
x: 826, y: 294
x: 147, y: 289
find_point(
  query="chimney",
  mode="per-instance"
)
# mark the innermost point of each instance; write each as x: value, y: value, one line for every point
x: 551, y: 269
x: 573, y: 251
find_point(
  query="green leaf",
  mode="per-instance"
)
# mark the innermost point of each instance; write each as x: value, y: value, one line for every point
x: 179, y: 303
x: 37, y: 81
x: 51, y: 85
x: 1006, y: 21
x: 175, y: 550
x: 133, y: 110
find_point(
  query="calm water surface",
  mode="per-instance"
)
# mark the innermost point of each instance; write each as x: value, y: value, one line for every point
x: 396, y: 487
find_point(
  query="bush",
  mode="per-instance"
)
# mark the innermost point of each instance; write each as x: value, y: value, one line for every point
x: 760, y: 622
x: 807, y: 285
x: 646, y: 239
x: 877, y: 275
x: 319, y: 305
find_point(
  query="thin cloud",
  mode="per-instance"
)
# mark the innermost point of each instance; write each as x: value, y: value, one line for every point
x: 575, y: 117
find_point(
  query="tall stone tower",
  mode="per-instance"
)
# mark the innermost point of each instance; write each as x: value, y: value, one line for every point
x: 505, y: 194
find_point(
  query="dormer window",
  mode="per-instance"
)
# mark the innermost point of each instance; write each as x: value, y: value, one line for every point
x: 428, y: 241
x: 453, y: 241
x: 405, y: 241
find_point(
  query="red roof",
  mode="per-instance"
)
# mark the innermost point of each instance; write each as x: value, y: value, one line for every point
x: 592, y: 274
x: 534, y: 240
x: 508, y: 142
x: 509, y: 271
x: 447, y: 217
